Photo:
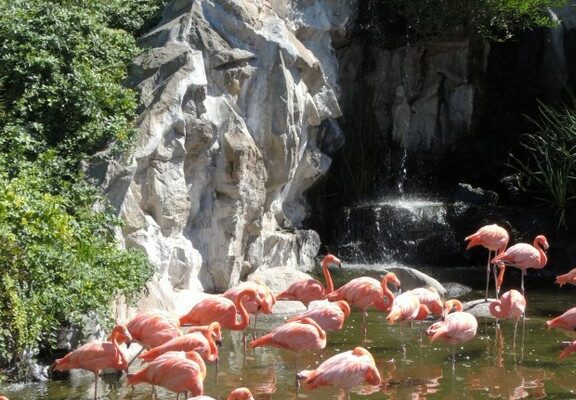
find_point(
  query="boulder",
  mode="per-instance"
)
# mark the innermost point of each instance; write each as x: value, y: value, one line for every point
x: 411, y: 278
x: 279, y: 278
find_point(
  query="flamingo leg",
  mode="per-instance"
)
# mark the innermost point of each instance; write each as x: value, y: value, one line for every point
x: 496, y: 287
x: 135, y: 357
x: 453, y: 363
x: 522, y: 281
x: 363, y: 327
x: 487, y: 275
x: 514, y: 338
x: 95, y: 385
x: 297, y: 382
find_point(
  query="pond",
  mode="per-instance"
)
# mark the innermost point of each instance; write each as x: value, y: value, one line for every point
x: 490, y: 366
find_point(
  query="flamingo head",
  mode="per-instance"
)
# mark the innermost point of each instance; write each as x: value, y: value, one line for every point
x: 240, y: 394
x: 332, y: 259
x: 449, y: 304
x: 390, y: 277
x: 345, y: 307
x: 216, y: 331
x: 542, y: 241
x: 121, y: 333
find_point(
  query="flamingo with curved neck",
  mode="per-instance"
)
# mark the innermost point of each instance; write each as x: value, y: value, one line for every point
x: 308, y: 290
x: 524, y: 256
x: 97, y: 355
x: 222, y: 310
x: 449, y: 305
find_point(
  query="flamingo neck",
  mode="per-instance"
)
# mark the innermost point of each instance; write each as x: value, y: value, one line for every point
x: 327, y: 277
x: 244, y: 317
x: 543, y: 257
x: 213, y: 356
x: 500, y: 277
x: 114, y: 339
x: 387, y: 292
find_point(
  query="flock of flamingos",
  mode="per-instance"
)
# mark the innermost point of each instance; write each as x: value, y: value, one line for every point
x: 176, y: 361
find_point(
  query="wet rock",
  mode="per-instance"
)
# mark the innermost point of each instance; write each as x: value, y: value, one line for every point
x: 478, y: 308
x: 455, y: 289
x: 468, y: 194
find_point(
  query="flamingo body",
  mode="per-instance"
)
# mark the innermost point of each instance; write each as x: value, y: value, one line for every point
x: 511, y: 305
x: 365, y: 292
x: 458, y: 327
x: 199, y: 339
x: 176, y: 371
x: 153, y: 328
x: 97, y: 355
x: 345, y: 370
x: 407, y: 307
x: 308, y: 290
x: 297, y: 336
x: 493, y: 237
x: 566, y: 322
x: 222, y: 310
x: 330, y: 316
x: 266, y: 298
x: 430, y: 298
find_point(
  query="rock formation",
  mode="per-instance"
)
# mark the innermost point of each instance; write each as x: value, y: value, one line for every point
x: 232, y: 97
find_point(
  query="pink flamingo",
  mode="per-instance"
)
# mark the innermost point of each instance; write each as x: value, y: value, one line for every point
x: 569, y: 277
x: 495, y: 239
x: 458, y: 327
x: 344, y: 370
x: 236, y: 394
x: 511, y: 305
x: 430, y: 298
x: 176, y: 371
x: 524, y: 256
x: 449, y: 305
x: 310, y: 289
x: 566, y: 322
x: 265, y: 295
x: 296, y: 336
x: 201, y: 339
x: 153, y: 328
x: 407, y: 307
x: 222, y: 310
x: 330, y: 316
x: 97, y: 355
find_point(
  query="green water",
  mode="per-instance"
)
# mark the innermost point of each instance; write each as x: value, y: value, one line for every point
x: 490, y: 366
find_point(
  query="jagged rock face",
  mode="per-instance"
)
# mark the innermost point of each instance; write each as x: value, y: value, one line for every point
x: 232, y: 95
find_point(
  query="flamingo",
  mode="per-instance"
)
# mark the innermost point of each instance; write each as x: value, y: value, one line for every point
x: 199, y: 338
x: 176, y: 371
x: 524, y: 256
x: 236, y: 394
x: 449, y: 305
x: 511, y: 305
x: 310, y: 289
x: 296, y: 336
x: 407, y: 307
x: 458, y: 327
x: 97, y: 355
x: 222, y: 310
x: 430, y: 298
x: 330, y: 316
x: 566, y: 322
x: 569, y: 277
x: 267, y: 298
x: 495, y: 239
x: 344, y: 370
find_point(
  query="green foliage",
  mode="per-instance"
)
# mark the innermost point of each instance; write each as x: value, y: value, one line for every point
x: 551, y: 164
x: 490, y: 19
x: 62, y: 64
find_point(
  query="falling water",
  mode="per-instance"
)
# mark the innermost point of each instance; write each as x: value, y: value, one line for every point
x: 402, y: 174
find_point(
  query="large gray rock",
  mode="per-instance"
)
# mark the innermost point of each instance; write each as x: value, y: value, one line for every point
x: 232, y: 95
x: 411, y: 278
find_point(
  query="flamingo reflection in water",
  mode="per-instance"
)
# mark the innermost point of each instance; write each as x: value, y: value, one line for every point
x: 412, y: 381
x: 515, y: 382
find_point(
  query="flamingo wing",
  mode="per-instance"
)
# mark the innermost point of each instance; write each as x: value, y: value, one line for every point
x: 212, y: 309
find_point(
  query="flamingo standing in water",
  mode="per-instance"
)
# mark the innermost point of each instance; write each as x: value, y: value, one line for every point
x: 511, y: 305
x: 495, y: 239
x: 236, y: 394
x: 458, y: 327
x: 176, y: 371
x: 97, y: 355
x: 201, y: 339
x: 344, y: 370
x: 569, y: 277
x: 330, y: 316
x: 309, y: 290
x: 265, y: 296
x: 222, y: 310
x: 297, y: 336
x: 407, y: 307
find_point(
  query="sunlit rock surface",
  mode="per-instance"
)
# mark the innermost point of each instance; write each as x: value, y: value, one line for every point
x: 232, y: 95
